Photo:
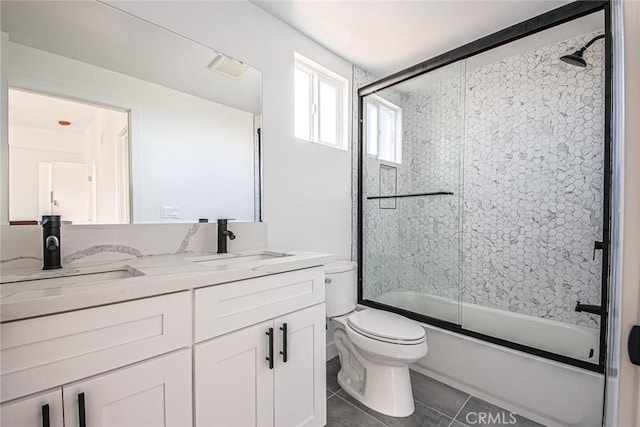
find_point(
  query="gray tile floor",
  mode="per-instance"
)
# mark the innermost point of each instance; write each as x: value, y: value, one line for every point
x: 437, y: 405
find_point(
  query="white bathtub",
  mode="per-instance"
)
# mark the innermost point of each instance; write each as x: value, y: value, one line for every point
x: 569, y: 340
x: 552, y: 393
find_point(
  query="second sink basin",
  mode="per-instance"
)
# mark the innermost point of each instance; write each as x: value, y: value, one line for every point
x: 233, y: 260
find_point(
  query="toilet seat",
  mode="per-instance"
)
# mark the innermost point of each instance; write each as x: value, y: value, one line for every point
x: 386, y: 327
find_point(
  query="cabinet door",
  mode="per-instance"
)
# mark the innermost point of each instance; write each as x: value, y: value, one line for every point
x: 154, y: 393
x: 233, y: 382
x: 31, y: 411
x: 299, y: 388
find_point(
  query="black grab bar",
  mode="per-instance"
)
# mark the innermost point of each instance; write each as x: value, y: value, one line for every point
x: 397, y: 196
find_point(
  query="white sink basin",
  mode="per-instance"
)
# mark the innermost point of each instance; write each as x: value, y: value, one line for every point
x: 57, y: 279
x: 235, y: 260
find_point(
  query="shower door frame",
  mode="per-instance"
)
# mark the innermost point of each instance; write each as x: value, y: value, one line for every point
x: 531, y: 26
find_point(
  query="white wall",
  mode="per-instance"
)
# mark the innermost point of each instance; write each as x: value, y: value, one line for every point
x: 186, y: 151
x: 28, y: 147
x: 34, y: 138
x: 100, y: 140
x: 201, y: 160
x: 307, y: 187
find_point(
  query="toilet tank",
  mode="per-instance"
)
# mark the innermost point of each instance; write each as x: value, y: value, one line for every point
x: 341, y: 294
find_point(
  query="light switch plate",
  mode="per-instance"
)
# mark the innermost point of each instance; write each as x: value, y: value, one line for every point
x: 169, y: 212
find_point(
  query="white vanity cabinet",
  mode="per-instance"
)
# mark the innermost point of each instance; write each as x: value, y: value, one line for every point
x: 106, y: 352
x: 244, y: 353
x: 241, y: 376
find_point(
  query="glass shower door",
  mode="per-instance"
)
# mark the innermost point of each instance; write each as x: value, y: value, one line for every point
x: 485, y: 192
x: 411, y: 208
x: 533, y: 190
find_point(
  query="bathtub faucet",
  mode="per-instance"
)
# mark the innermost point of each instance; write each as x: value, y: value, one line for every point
x: 588, y: 308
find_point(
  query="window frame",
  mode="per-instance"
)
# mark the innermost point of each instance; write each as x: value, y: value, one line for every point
x: 380, y: 103
x: 318, y: 75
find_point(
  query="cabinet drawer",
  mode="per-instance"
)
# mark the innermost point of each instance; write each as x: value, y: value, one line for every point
x: 225, y: 308
x: 41, y: 353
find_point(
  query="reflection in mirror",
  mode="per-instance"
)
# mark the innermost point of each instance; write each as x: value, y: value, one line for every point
x: 67, y: 158
x: 162, y: 129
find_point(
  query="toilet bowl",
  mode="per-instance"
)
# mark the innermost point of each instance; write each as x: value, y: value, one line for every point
x: 375, y: 347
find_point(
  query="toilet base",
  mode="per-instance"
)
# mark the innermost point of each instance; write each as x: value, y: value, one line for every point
x: 385, y: 389
x: 376, y: 372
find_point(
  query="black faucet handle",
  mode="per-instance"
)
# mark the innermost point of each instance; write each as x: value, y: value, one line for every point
x: 224, y: 220
x: 51, y: 221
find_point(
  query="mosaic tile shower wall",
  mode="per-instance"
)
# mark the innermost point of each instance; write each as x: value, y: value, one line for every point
x: 533, y: 172
x: 431, y: 230
x: 382, y: 242
x: 525, y: 163
x: 416, y: 245
x: 360, y: 77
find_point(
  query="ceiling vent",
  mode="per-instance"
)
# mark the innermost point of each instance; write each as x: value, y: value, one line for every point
x: 228, y: 66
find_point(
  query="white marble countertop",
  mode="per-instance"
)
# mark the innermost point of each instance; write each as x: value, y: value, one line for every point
x: 22, y: 297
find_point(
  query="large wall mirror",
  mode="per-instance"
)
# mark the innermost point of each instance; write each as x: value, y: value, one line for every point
x: 114, y: 120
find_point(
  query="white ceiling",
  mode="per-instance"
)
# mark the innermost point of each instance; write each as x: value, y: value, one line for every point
x: 43, y: 112
x: 387, y: 36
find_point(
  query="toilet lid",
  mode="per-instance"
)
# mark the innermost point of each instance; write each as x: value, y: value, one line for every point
x: 386, y: 325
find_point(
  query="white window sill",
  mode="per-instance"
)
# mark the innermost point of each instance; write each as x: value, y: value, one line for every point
x: 324, y: 144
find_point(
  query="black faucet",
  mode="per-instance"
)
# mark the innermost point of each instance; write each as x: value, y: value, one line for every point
x: 223, y: 233
x: 589, y: 308
x: 51, y: 241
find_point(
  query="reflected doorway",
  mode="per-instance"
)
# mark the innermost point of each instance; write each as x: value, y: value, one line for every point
x: 67, y: 158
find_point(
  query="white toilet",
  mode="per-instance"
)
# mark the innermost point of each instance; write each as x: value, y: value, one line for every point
x: 375, y: 347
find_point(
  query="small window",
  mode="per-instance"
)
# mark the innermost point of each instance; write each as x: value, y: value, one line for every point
x: 384, y: 129
x: 320, y: 104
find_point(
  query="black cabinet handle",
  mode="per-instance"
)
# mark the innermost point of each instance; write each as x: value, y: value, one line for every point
x: 82, y: 416
x: 283, y: 328
x: 45, y: 416
x: 270, y: 357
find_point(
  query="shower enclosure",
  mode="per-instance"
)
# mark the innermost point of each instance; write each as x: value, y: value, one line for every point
x: 484, y: 188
